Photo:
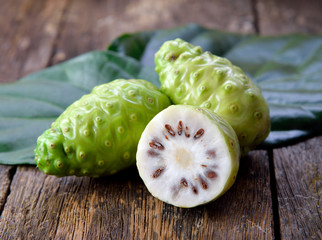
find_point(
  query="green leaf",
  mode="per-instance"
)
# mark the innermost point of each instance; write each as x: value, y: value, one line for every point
x: 30, y: 105
x: 288, y: 69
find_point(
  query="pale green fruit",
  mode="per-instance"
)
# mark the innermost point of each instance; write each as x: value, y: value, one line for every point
x: 98, y: 134
x: 189, y: 76
x: 188, y: 156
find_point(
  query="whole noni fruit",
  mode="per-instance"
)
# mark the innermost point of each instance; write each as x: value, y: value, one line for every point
x: 190, y: 76
x: 98, y: 134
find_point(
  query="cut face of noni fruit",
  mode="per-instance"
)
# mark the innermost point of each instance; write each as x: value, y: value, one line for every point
x: 188, y: 156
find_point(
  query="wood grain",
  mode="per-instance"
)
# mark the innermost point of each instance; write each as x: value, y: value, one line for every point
x: 120, y: 207
x: 6, y: 173
x: 88, y: 26
x: 299, y: 184
x: 27, y: 33
x: 277, y: 17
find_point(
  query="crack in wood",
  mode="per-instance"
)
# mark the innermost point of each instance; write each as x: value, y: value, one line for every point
x: 255, y: 15
x: 275, y: 206
x: 10, y: 175
x: 62, y: 22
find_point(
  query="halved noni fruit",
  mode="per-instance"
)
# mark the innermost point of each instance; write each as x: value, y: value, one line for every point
x: 188, y: 156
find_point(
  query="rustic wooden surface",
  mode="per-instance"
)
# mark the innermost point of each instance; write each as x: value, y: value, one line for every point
x: 277, y: 194
x: 120, y: 207
x: 299, y: 189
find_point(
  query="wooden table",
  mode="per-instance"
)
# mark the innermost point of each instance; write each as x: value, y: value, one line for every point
x: 277, y: 193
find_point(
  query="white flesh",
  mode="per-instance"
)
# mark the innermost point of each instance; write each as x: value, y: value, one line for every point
x: 182, y: 157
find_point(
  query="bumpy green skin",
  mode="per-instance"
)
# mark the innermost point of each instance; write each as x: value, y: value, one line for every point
x: 189, y: 76
x: 98, y: 134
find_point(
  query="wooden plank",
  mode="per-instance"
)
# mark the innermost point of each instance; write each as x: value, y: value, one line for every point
x: 80, y: 28
x: 89, y: 26
x: 120, y: 207
x: 299, y: 184
x: 297, y: 168
x: 27, y: 33
x: 5, y: 180
x: 277, y: 17
x: 145, y: 14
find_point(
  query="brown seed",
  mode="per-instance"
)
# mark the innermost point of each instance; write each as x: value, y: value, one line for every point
x: 170, y: 130
x: 186, y: 132
x: 194, y: 190
x: 211, y: 174
x: 211, y: 153
x: 180, y: 128
x: 166, y: 137
x: 203, y: 183
x: 157, y: 172
x: 199, y: 133
x: 184, y: 182
x: 202, y: 165
x: 156, y: 145
x: 152, y: 153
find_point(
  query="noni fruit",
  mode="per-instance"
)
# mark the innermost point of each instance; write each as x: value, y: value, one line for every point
x: 98, y: 134
x: 190, y: 76
x: 188, y: 156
